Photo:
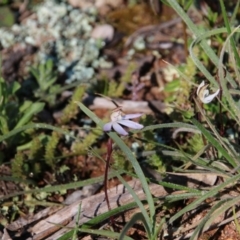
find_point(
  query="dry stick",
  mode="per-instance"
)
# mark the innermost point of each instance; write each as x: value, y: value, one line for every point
x: 152, y: 28
x: 185, y: 38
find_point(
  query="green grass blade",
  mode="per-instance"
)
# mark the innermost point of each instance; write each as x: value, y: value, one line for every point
x: 218, y: 209
x: 199, y: 64
x: 236, y: 220
x: 214, y: 191
x: 111, y: 235
x: 137, y: 217
x: 61, y: 187
x: 197, y: 32
x: 226, y: 22
x: 223, y: 208
x: 199, y: 228
x: 221, y: 141
x: 201, y: 162
x: 179, y: 187
x: 214, y: 142
x: 33, y: 109
x: 32, y: 126
x: 182, y: 196
x: 137, y: 200
x: 168, y: 125
x: 105, y: 216
x: 233, y: 106
x: 67, y: 235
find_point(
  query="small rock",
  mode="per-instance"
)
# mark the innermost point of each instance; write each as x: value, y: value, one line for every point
x: 113, y: 4
x: 104, y: 32
x: 106, y: 6
x: 75, y: 196
x: 81, y: 4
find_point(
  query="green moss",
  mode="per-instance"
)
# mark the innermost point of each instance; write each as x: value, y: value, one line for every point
x: 36, y: 148
x: 157, y: 163
x: 82, y: 147
x: 17, y: 165
x: 72, y: 109
x: 50, y: 149
x: 195, y: 143
x: 116, y: 89
x: 120, y: 161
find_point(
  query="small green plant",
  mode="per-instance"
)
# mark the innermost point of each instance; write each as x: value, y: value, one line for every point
x: 46, y: 78
x: 14, y: 113
x: 50, y: 149
x: 71, y: 110
x: 115, y: 89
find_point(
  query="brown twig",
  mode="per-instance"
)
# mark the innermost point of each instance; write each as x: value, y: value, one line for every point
x: 152, y: 28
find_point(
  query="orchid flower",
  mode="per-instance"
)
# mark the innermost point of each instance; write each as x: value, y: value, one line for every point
x: 203, y: 93
x: 118, y: 119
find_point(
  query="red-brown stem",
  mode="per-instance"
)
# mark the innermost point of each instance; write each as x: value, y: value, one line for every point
x: 200, y: 119
x: 109, y: 153
x: 220, y: 113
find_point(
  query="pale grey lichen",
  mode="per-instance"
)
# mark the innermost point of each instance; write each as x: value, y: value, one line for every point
x: 139, y: 44
x: 62, y: 33
x: 8, y: 39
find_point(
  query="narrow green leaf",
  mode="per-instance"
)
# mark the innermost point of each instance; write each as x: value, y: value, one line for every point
x: 199, y: 64
x: 221, y: 71
x: 4, y: 125
x: 14, y: 87
x: 197, y: 32
x: 214, y: 191
x: 168, y: 125
x: 61, y: 187
x: 214, y: 142
x: 226, y: 22
x: 136, y: 218
x: 105, y: 216
x: 67, y: 235
x: 33, y: 109
x: 139, y: 203
x: 112, y: 235
x: 199, y: 228
x: 32, y: 126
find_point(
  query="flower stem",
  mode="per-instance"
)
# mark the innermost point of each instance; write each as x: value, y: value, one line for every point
x: 109, y: 153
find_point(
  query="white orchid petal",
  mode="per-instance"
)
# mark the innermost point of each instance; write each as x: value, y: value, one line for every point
x: 200, y: 86
x: 119, y: 129
x: 131, y: 124
x: 131, y: 116
x: 210, y: 97
x: 203, y: 93
x: 107, y: 127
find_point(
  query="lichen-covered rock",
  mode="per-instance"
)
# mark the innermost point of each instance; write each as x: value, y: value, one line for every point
x: 62, y: 33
